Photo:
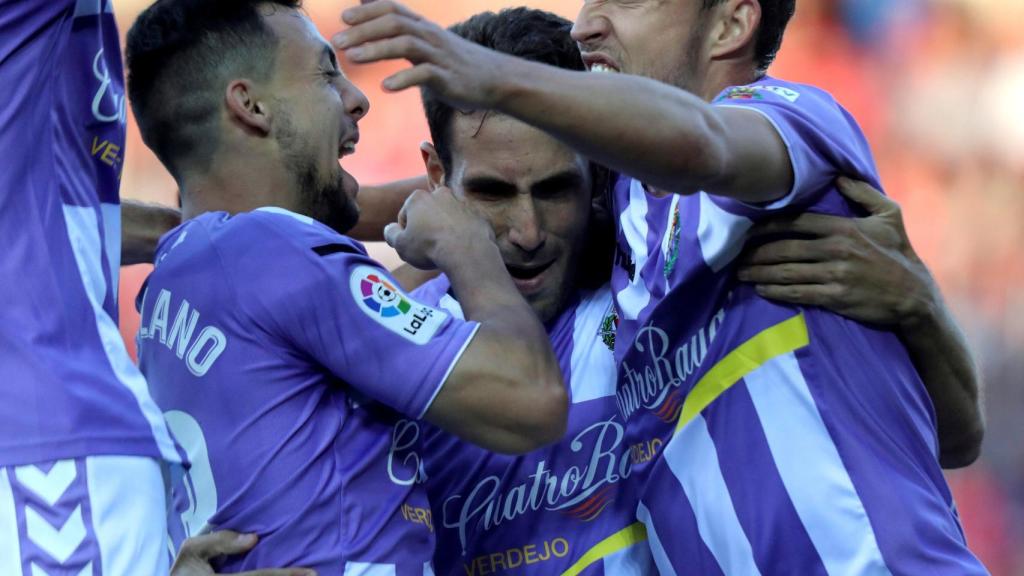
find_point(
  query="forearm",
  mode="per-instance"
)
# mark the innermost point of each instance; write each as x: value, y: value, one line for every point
x: 142, y: 225
x: 943, y: 359
x: 512, y: 397
x: 379, y: 206
x: 664, y: 136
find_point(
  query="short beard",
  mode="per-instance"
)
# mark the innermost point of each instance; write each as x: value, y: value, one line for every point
x: 323, y: 199
x: 687, y: 77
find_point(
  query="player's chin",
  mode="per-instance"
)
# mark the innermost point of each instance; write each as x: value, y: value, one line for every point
x: 349, y: 184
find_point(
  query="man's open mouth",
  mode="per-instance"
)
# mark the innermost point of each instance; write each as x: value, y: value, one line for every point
x: 527, y: 272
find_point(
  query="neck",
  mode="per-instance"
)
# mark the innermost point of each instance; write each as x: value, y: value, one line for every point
x: 722, y: 74
x: 235, y: 187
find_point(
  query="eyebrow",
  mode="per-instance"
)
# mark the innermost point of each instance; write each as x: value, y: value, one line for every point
x: 488, y: 183
x: 561, y: 181
x: 568, y: 179
x: 329, y: 52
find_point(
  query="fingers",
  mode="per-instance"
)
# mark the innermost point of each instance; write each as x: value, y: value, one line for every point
x: 866, y: 195
x: 400, y: 48
x: 418, y: 75
x: 783, y: 251
x: 367, y: 11
x: 392, y: 232
x: 805, y: 224
x: 823, y: 295
x: 220, y: 543
x: 790, y: 274
x: 383, y: 28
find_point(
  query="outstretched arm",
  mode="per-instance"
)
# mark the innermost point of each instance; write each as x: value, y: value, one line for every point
x: 669, y: 138
x: 866, y: 269
x: 142, y: 225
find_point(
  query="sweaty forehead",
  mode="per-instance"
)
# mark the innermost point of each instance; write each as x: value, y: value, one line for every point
x: 299, y: 40
x: 506, y: 148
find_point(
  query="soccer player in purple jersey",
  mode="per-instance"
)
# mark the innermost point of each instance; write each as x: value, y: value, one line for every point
x: 566, y: 506
x: 81, y: 441
x: 781, y: 439
x: 281, y: 354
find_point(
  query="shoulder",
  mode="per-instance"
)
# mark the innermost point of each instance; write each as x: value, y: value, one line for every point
x: 788, y: 103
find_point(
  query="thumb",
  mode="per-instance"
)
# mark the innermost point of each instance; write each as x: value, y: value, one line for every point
x: 391, y: 234
x: 865, y: 195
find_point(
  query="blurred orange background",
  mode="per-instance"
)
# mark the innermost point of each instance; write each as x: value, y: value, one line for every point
x: 937, y: 86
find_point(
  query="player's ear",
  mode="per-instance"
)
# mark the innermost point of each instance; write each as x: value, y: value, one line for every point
x: 734, y: 27
x: 432, y: 162
x: 245, y: 109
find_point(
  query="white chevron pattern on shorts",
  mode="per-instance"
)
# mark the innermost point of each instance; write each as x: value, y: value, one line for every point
x: 37, y: 571
x: 48, y: 485
x: 58, y: 543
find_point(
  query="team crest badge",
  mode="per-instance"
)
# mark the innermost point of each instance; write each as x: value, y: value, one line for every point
x: 609, y: 326
x: 385, y: 303
x: 741, y: 93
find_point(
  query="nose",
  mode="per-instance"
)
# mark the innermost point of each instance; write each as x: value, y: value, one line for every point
x: 355, y: 102
x: 525, y: 229
x: 590, y: 25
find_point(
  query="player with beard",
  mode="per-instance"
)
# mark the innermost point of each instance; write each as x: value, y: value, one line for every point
x: 538, y: 513
x: 782, y: 439
x: 281, y: 354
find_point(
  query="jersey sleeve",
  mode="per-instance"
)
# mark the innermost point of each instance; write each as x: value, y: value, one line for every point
x: 823, y: 140
x: 342, y: 309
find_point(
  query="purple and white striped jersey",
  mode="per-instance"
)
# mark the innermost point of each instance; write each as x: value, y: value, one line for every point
x: 283, y: 356
x: 773, y: 439
x: 567, y: 508
x: 69, y: 387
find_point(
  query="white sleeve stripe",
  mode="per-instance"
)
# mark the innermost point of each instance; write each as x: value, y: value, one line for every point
x: 451, y: 367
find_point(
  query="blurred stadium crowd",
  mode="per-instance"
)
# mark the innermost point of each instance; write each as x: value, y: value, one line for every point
x: 938, y: 87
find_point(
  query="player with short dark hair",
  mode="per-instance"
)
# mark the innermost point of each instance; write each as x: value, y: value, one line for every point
x: 782, y: 439
x: 280, y: 352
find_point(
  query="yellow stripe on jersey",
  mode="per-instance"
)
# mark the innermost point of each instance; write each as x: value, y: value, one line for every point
x: 628, y: 536
x: 783, y: 338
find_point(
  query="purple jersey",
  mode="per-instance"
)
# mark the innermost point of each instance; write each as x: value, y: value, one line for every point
x: 69, y: 387
x: 565, y: 508
x: 283, y: 356
x: 776, y: 439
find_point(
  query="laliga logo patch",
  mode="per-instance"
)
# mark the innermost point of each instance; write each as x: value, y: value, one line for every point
x: 386, y: 304
x: 382, y: 297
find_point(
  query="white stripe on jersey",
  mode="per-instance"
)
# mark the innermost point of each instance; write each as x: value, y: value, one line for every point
x: 693, y: 459
x: 10, y: 544
x: 657, y: 549
x: 592, y: 365
x: 128, y: 491
x: 84, y: 236
x: 633, y: 221
x: 822, y: 493
x: 720, y: 234
x: 369, y: 569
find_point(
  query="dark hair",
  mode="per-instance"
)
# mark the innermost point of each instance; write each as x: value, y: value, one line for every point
x: 523, y: 32
x: 775, y: 15
x: 180, y: 56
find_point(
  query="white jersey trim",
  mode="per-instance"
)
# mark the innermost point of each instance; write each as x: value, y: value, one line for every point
x: 84, y: 237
